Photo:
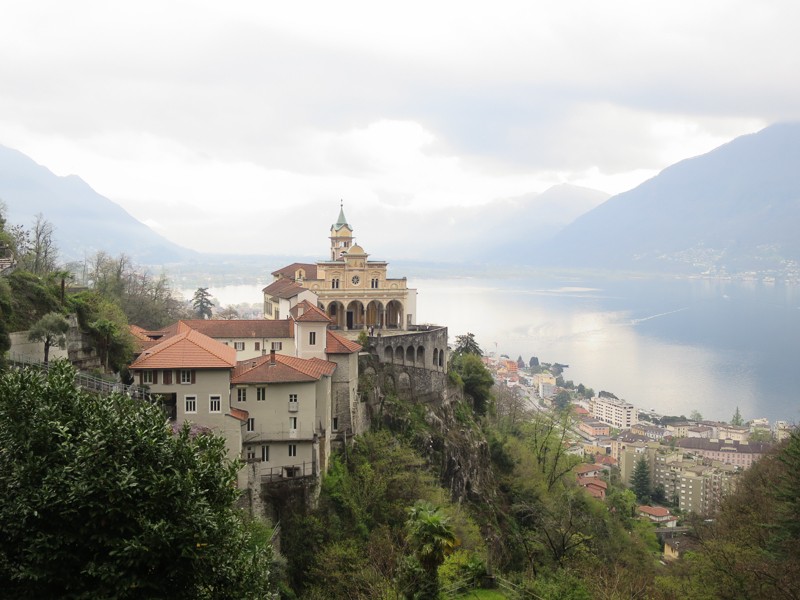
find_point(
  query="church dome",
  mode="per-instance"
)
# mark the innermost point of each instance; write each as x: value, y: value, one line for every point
x: 355, y: 249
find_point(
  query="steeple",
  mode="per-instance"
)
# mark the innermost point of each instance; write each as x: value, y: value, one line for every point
x: 341, y: 235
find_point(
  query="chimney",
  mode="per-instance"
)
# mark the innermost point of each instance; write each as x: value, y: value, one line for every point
x: 272, y: 357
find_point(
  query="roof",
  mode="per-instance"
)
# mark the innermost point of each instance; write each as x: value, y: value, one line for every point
x: 341, y: 221
x: 305, y: 312
x: 187, y: 349
x: 723, y: 445
x: 237, y: 328
x: 285, y: 369
x: 239, y: 414
x: 653, y: 511
x: 289, y: 270
x: 580, y: 469
x: 338, y: 344
x: 593, y: 481
x: 283, y: 288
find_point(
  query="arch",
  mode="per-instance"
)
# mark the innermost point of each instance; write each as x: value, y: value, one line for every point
x: 336, y: 312
x: 435, y: 357
x: 375, y: 314
x: 388, y: 354
x: 394, y: 314
x: 403, y: 381
x: 400, y: 355
x: 441, y: 358
x: 410, y: 356
x: 355, y: 315
x: 421, y: 356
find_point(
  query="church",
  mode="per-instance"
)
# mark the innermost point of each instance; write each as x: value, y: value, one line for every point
x: 353, y: 291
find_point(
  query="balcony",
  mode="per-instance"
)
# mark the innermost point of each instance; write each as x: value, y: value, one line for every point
x: 293, y: 406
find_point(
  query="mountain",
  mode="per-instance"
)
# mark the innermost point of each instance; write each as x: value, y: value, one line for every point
x: 733, y: 209
x: 84, y: 221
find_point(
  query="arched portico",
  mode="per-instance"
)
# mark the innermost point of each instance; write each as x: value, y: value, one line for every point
x: 336, y: 312
x: 375, y: 314
x: 355, y: 315
x: 394, y: 315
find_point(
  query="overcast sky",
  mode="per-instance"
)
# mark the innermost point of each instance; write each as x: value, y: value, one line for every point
x: 240, y: 125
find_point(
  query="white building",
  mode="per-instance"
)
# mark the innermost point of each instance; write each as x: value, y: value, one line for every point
x: 615, y: 412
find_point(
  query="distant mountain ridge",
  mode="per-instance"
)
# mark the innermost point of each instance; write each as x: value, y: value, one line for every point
x: 736, y: 208
x: 84, y: 221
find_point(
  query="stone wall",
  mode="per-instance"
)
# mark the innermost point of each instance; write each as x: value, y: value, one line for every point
x: 79, y: 349
x: 424, y: 348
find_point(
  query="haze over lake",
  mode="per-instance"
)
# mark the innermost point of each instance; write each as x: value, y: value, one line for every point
x: 674, y: 345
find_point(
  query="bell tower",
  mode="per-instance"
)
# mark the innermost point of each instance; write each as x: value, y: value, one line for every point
x: 341, y: 235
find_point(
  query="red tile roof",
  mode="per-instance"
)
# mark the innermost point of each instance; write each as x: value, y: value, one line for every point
x: 239, y: 414
x: 305, y: 312
x: 286, y: 369
x: 654, y: 511
x: 581, y: 469
x: 237, y: 328
x: 336, y: 343
x: 187, y: 349
x: 289, y: 270
x: 283, y: 288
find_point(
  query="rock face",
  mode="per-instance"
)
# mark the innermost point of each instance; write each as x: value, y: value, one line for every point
x: 434, y: 415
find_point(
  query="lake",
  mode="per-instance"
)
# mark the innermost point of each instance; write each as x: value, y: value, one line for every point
x: 674, y: 345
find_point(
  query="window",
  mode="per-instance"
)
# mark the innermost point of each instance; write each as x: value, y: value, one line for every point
x: 277, y: 346
x: 293, y: 398
x: 268, y: 307
x: 251, y: 453
x: 258, y: 346
x: 335, y: 423
x: 147, y: 376
x: 292, y: 423
x: 251, y: 424
x: 374, y: 283
x: 190, y: 404
x: 214, y: 404
x: 238, y: 345
x: 186, y: 376
x: 292, y: 449
x: 264, y: 453
x: 241, y: 394
x: 335, y: 283
x: 312, y: 338
x: 261, y: 394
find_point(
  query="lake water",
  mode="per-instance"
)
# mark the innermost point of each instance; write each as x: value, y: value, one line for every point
x: 675, y: 345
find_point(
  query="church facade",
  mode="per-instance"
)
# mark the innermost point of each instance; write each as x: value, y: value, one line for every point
x: 355, y: 292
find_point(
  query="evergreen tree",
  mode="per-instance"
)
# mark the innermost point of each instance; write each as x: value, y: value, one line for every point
x: 737, y: 419
x: 202, y: 303
x: 466, y: 344
x: 640, y: 481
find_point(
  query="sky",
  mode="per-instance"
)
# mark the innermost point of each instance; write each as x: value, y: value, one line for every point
x: 240, y: 126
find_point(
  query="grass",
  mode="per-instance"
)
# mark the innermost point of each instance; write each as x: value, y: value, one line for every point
x: 484, y: 595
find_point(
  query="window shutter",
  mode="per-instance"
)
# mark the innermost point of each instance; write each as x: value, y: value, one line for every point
x: 258, y: 345
x: 167, y: 377
x: 155, y: 377
x: 193, y: 379
x: 140, y: 378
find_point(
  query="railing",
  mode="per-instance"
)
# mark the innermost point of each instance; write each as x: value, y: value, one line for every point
x: 89, y: 383
x: 299, y: 471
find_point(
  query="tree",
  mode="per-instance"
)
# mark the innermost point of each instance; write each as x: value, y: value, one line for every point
x: 51, y: 329
x: 562, y: 400
x: 640, y: 481
x: 737, y: 419
x: 40, y: 253
x: 534, y: 362
x: 477, y: 380
x: 695, y: 415
x: 520, y: 362
x: 228, y: 313
x: 466, y: 344
x: 100, y: 499
x: 431, y: 538
x: 201, y: 302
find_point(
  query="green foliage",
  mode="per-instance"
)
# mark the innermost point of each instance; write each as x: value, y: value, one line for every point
x: 32, y: 296
x: 466, y: 344
x: 6, y: 317
x: 108, y: 325
x: 202, y: 304
x: 363, y: 339
x: 640, y: 481
x: 431, y: 538
x: 100, y: 499
x: 477, y: 379
x: 737, y: 419
x: 51, y: 329
x: 462, y: 567
x: 562, y: 401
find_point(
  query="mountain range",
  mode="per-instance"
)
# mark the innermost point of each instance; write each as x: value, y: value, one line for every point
x: 733, y: 209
